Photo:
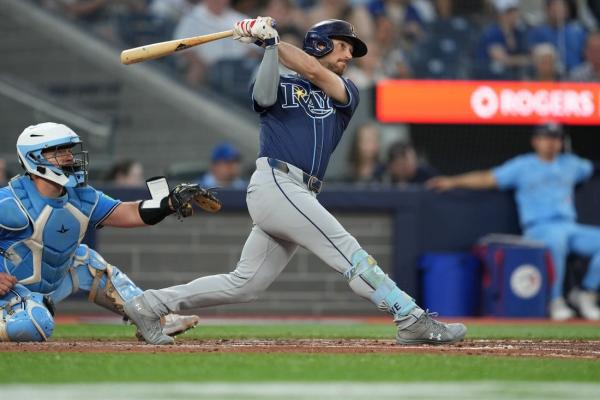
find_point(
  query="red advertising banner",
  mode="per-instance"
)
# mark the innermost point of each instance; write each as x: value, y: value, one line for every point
x: 485, y: 102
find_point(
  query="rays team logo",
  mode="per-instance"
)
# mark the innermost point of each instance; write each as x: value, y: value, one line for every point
x: 315, y: 103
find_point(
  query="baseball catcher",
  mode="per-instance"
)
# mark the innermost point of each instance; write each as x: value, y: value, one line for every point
x: 44, y: 215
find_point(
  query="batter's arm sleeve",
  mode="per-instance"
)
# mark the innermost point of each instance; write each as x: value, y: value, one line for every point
x: 264, y: 92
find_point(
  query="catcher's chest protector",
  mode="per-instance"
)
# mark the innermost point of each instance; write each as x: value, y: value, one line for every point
x: 44, y: 250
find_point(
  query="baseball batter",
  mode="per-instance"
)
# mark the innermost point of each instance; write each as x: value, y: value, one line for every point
x: 44, y: 215
x: 302, y: 119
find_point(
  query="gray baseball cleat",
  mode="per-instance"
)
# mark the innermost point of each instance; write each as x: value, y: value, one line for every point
x: 419, y: 327
x: 147, y: 322
x: 174, y: 324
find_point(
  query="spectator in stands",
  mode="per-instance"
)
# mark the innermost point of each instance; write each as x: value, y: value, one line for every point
x: 532, y: 11
x: 172, y: 10
x: 546, y: 66
x: 590, y: 70
x: 585, y: 14
x: 594, y: 8
x: 3, y: 172
x: 126, y: 173
x: 364, y: 158
x: 567, y: 36
x: 97, y: 15
x: 503, y: 52
x: 289, y: 18
x: 411, y: 16
x: 394, y: 61
x: 404, y: 167
x: 544, y: 182
x: 446, y: 46
x: 209, y: 16
x: 366, y: 71
x: 444, y: 10
x: 357, y: 15
x: 246, y: 7
x: 225, y: 163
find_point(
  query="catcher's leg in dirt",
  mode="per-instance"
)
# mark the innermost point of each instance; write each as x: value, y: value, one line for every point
x: 110, y: 288
x: 25, y: 316
x: 262, y: 260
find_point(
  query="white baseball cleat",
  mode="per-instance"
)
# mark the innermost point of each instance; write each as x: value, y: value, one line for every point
x: 586, y: 301
x: 560, y: 311
x: 147, y: 322
x: 174, y: 324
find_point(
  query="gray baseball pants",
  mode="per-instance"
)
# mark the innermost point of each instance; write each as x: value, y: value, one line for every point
x: 285, y: 215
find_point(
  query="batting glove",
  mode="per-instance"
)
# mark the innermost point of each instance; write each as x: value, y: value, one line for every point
x: 241, y: 31
x: 243, y: 27
x: 244, y: 39
x: 263, y: 30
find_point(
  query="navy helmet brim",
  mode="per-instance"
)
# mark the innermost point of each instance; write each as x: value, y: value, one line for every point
x: 359, y: 48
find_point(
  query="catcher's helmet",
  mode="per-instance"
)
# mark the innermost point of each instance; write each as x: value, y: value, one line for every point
x: 45, y: 138
x: 318, y: 43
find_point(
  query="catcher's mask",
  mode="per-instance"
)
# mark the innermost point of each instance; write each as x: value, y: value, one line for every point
x: 318, y: 40
x: 54, y: 152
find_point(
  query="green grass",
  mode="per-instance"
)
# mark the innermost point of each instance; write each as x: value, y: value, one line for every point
x: 326, y: 331
x: 161, y: 367
x: 249, y: 367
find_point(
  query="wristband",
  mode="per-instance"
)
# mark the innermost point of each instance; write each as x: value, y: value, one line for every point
x: 153, y: 215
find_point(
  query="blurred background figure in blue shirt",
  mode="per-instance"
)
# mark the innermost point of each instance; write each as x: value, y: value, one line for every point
x: 225, y: 168
x: 544, y: 183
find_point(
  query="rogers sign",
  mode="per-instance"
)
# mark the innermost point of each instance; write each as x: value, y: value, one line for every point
x: 557, y: 103
x: 487, y: 102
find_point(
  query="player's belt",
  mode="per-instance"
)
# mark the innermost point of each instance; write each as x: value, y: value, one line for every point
x: 313, y: 183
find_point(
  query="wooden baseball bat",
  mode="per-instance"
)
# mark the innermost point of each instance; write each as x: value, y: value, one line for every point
x: 161, y: 49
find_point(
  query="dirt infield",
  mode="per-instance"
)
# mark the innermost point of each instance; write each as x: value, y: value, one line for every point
x: 568, y: 349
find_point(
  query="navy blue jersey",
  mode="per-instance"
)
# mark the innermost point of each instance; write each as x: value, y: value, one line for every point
x: 304, y: 126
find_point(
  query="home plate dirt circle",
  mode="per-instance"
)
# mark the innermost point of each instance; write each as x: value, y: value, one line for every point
x: 576, y: 349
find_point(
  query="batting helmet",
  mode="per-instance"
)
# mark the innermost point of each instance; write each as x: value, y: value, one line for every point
x: 318, y: 43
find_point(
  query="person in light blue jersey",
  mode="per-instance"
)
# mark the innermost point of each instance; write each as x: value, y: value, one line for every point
x: 44, y: 216
x: 544, y: 183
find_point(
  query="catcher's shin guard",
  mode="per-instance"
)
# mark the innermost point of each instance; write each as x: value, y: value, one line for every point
x: 25, y: 317
x: 107, y: 285
x: 368, y: 280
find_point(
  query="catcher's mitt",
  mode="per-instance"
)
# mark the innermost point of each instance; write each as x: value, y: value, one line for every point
x: 183, y: 195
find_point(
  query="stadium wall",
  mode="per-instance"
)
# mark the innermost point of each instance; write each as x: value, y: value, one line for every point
x: 395, y: 225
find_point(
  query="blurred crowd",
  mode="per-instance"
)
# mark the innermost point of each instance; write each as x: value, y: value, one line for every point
x: 546, y: 40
